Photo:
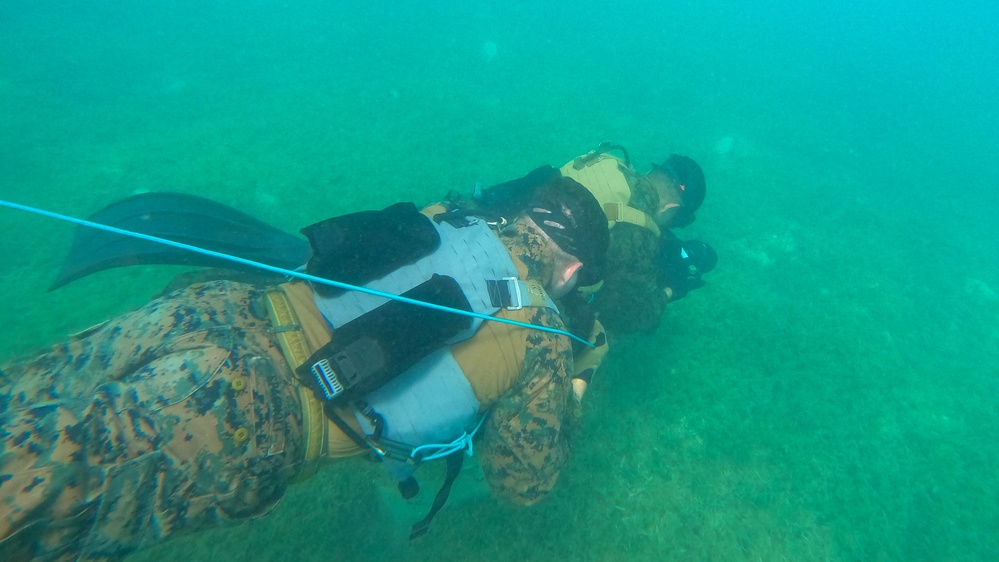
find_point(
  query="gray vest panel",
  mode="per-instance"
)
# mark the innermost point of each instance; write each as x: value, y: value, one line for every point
x: 470, y: 255
x: 432, y: 402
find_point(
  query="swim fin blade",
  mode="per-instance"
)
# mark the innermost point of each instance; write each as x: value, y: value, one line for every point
x: 178, y: 217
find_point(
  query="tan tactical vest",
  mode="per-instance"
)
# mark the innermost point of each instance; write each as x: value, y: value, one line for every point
x: 607, y: 178
x: 492, y: 360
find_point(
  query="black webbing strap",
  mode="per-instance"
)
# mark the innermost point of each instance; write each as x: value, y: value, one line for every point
x: 345, y: 427
x: 454, y: 462
x: 409, y: 487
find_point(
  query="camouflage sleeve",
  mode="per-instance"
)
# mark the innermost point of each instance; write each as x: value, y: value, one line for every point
x: 631, y: 299
x: 526, y: 441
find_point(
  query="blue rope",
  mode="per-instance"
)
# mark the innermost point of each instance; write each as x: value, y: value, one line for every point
x: 288, y: 272
x: 444, y: 449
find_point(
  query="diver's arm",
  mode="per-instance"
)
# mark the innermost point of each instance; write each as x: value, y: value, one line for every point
x: 526, y: 444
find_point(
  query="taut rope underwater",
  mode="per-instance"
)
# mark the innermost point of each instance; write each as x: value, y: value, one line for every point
x: 280, y: 270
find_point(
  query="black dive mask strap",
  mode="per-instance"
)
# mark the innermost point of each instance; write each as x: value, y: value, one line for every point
x: 344, y: 426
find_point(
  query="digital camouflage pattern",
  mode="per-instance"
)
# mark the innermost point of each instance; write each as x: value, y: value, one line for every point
x: 184, y: 414
x: 631, y: 299
x: 644, y: 196
x: 526, y: 436
x: 171, y: 418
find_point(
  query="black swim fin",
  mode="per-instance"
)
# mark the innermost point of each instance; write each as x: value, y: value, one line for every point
x: 179, y: 217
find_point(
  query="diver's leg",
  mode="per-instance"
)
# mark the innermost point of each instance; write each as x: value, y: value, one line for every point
x: 107, y: 351
x: 209, y: 428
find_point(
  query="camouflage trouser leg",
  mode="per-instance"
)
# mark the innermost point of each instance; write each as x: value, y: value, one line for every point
x: 170, y: 418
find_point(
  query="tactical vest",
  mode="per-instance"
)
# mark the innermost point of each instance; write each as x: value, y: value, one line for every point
x: 607, y: 177
x: 432, y: 402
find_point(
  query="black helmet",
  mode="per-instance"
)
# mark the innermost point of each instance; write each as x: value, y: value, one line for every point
x: 689, y: 177
x: 568, y: 213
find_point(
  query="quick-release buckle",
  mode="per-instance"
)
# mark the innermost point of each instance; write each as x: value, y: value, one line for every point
x: 327, y: 379
x: 508, y: 292
x: 516, y: 295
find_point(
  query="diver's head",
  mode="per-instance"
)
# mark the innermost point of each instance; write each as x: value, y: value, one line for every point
x: 568, y: 214
x: 680, y: 184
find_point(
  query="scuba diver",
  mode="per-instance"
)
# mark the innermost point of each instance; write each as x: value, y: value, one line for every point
x: 206, y: 403
x: 641, y: 209
x: 647, y: 266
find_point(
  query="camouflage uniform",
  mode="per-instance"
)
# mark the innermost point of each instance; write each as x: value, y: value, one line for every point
x: 631, y: 299
x: 526, y: 437
x: 184, y: 414
x: 171, y: 418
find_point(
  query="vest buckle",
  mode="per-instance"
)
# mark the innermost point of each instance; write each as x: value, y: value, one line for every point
x: 507, y: 292
x: 327, y: 379
x: 516, y: 295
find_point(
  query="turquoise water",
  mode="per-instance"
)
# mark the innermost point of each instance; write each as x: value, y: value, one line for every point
x: 830, y: 395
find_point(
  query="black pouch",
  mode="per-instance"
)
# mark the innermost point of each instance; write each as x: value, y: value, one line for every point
x: 361, y: 247
x: 374, y: 348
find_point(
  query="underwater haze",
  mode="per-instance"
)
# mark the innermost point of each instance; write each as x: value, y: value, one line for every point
x: 831, y: 394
